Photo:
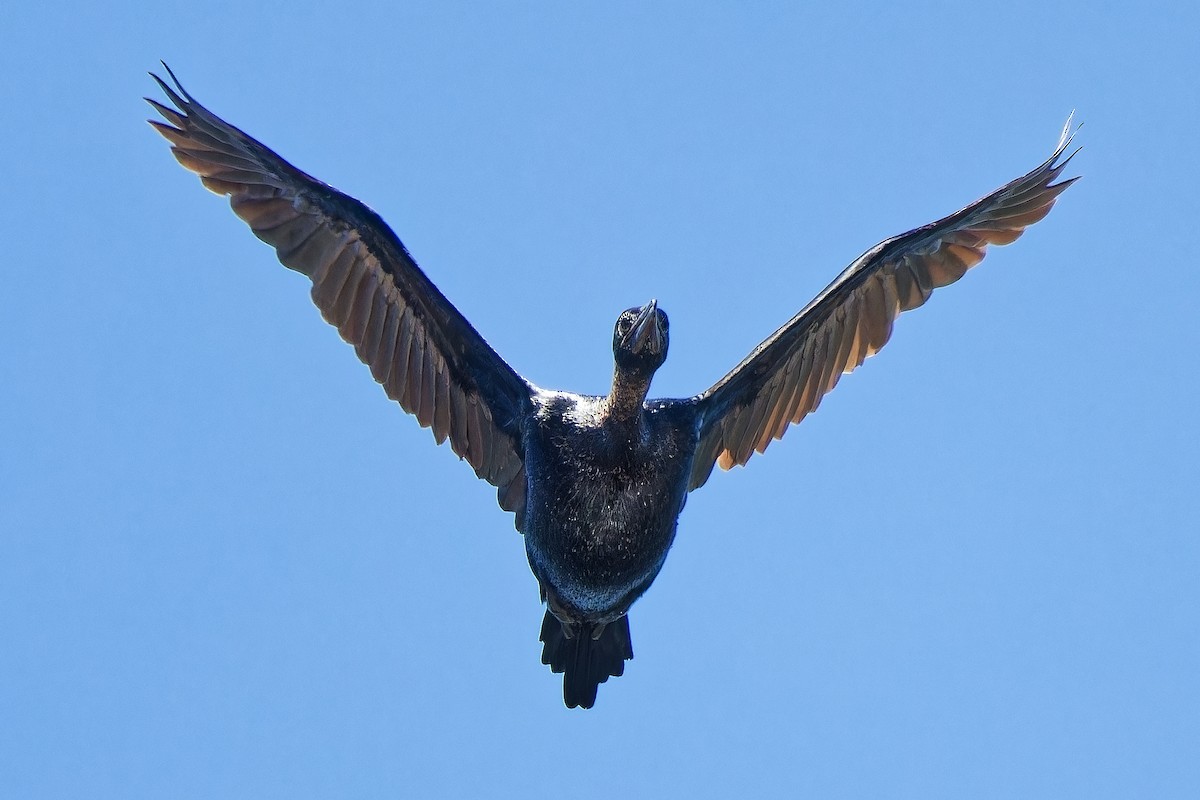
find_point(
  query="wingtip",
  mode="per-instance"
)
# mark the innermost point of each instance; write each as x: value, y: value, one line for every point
x: 182, y: 92
x: 1067, y: 136
x: 1062, y: 137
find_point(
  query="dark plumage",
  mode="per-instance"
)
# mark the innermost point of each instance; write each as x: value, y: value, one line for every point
x: 596, y: 483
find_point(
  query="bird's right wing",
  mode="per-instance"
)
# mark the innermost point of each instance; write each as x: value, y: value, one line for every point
x: 786, y: 376
x: 419, y: 347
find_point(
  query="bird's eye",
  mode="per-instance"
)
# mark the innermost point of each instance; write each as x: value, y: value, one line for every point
x: 624, y: 325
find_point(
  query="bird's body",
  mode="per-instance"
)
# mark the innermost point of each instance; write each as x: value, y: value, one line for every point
x: 596, y: 484
x: 604, y: 498
x: 603, y: 504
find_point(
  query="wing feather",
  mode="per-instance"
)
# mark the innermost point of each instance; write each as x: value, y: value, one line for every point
x: 785, y: 377
x: 417, y: 345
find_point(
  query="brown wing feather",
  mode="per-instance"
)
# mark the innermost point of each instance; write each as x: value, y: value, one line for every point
x: 786, y: 376
x: 418, y: 346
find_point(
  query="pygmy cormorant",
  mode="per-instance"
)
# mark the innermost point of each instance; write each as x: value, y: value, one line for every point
x: 596, y: 483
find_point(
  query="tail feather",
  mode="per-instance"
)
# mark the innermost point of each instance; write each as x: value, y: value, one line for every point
x: 585, y: 662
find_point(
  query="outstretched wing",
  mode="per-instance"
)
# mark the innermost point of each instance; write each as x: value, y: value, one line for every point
x: 419, y: 347
x: 786, y: 376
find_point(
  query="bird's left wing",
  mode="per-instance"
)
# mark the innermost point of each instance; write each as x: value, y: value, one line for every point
x: 786, y: 376
x: 419, y: 347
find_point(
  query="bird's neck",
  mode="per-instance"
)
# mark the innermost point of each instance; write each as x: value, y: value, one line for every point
x: 628, y: 396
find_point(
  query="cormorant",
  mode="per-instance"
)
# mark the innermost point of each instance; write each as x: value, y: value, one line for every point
x: 596, y: 484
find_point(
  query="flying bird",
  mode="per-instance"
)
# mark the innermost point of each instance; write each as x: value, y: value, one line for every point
x: 596, y: 484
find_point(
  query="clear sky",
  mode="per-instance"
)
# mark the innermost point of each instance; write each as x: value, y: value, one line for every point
x: 229, y: 567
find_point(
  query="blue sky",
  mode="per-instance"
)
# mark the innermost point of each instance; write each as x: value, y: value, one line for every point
x: 229, y: 567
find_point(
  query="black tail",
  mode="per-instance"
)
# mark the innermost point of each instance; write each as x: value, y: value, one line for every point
x: 586, y: 661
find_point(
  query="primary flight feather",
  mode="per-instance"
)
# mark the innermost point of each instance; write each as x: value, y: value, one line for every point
x: 596, y: 483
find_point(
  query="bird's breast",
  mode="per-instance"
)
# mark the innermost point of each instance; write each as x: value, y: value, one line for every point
x: 602, y: 503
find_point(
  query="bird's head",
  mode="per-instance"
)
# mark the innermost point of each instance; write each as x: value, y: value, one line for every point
x: 640, y: 339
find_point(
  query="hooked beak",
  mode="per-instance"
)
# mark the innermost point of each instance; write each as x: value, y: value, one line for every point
x: 645, y: 334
